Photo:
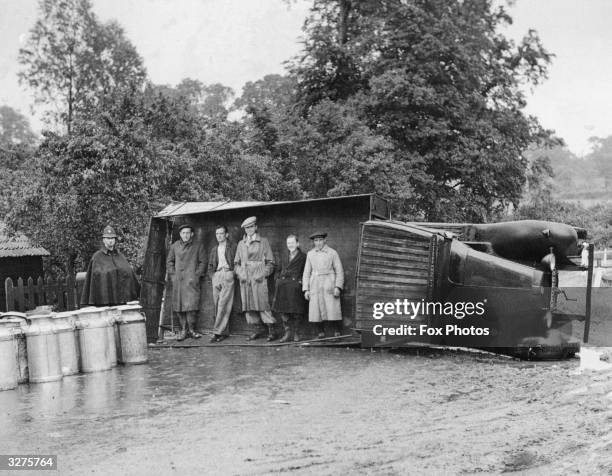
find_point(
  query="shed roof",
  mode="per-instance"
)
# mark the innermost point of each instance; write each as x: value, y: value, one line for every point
x: 18, y: 246
x: 192, y: 208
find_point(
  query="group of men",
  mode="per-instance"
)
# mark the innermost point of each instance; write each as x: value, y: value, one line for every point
x: 313, y: 280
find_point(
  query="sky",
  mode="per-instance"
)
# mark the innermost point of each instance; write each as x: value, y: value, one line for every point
x: 235, y: 41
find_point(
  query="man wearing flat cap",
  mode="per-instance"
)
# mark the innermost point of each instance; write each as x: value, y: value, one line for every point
x: 253, y: 263
x: 110, y: 279
x: 322, y: 284
x: 186, y: 264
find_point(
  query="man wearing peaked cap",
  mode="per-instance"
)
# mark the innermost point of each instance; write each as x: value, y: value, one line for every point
x: 322, y: 284
x: 185, y: 225
x: 318, y: 234
x: 110, y: 279
x: 186, y: 265
x: 253, y: 263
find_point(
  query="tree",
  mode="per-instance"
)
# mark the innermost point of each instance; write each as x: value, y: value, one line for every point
x: 602, y: 158
x: 14, y: 128
x: 71, y: 60
x: 438, y: 80
x: 273, y: 92
x: 210, y: 101
x: 79, y: 183
x: 16, y: 148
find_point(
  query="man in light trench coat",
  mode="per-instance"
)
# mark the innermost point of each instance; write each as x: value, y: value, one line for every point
x: 253, y: 263
x: 186, y: 264
x: 322, y: 285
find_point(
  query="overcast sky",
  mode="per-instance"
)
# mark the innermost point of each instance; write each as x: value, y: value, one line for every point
x: 235, y: 41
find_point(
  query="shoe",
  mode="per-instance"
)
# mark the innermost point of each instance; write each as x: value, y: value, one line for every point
x: 214, y: 338
x: 321, y: 335
x: 296, y: 338
x: 182, y: 335
x: 221, y: 337
x: 336, y: 335
x: 271, y: 334
x: 194, y: 334
x: 255, y: 335
x: 286, y: 337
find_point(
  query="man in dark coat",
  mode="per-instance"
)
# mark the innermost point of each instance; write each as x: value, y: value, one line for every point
x: 221, y: 272
x: 288, y: 298
x: 110, y: 279
x: 186, y: 264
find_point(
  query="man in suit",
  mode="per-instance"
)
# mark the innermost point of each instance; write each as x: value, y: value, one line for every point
x: 221, y: 272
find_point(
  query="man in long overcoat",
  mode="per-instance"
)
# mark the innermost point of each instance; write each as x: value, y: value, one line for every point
x: 253, y: 263
x: 288, y: 297
x: 322, y: 284
x: 186, y: 264
x: 221, y: 272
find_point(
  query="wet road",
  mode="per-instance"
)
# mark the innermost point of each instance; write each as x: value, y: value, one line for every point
x: 317, y: 411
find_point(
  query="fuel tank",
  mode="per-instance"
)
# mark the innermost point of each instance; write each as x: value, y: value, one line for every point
x: 527, y: 240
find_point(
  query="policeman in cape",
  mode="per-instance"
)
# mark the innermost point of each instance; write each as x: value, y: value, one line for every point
x: 110, y: 280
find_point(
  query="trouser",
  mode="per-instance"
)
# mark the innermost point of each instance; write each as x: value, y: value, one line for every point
x: 223, y: 299
x: 255, y: 318
x: 187, y: 319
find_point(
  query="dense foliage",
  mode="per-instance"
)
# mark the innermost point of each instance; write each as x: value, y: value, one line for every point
x: 417, y: 100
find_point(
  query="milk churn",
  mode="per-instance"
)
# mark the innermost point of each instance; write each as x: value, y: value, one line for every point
x: 16, y: 321
x: 43, y: 349
x: 116, y: 314
x: 132, y: 334
x: 8, y: 363
x: 65, y: 325
x: 92, y: 330
x: 110, y: 314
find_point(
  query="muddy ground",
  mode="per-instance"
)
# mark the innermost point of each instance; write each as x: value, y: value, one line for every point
x: 318, y: 411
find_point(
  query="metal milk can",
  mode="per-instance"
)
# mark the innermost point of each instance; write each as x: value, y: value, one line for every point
x: 16, y: 321
x: 9, y: 374
x: 132, y: 334
x: 92, y: 330
x: 110, y: 314
x: 65, y: 325
x: 43, y: 349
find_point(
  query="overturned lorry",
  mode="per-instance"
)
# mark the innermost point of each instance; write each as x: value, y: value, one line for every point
x: 487, y: 286
x: 493, y: 286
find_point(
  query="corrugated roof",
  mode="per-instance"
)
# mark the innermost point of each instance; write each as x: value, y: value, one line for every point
x: 191, y: 208
x: 18, y: 246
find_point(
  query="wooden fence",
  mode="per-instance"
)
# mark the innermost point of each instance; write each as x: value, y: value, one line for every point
x: 62, y: 295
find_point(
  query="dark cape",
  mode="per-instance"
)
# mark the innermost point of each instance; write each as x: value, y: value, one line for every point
x: 288, y: 296
x: 110, y: 280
